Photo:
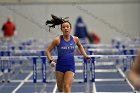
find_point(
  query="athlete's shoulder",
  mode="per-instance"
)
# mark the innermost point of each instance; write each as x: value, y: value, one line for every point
x: 76, y: 39
x: 57, y: 40
x: 57, y: 37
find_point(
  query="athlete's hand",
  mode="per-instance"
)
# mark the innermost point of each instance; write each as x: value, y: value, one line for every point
x: 52, y: 64
x: 88, y: 58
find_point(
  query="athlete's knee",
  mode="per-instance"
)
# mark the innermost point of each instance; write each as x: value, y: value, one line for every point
x: 60, y: 87
x: 60, y: 90
x: 67, y: 87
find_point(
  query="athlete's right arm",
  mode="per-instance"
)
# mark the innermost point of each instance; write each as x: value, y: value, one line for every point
x: 50, y: 48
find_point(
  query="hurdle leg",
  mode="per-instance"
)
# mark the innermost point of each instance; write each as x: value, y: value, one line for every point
x: 35, y: 74
x: 117, y: 61
x: 124, y: 64
x: 2, y: 70
x: 21, y: 63
x: 13, y: 68
x: 93, y: 69
x: 43, y: 59
x: 85, y: 70
x: 9, y: 71
x: 125, y: 61
x: 90, y: 71
x: 131, y: 61
x: 8, y: 66
x: 93, y: 74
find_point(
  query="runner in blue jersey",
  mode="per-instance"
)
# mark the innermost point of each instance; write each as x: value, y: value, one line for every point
x: 65, y: 65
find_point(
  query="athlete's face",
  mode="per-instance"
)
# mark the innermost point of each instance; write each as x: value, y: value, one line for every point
x: 66, y: 28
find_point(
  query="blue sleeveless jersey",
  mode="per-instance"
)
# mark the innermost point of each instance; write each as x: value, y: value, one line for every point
x: 66, y: 51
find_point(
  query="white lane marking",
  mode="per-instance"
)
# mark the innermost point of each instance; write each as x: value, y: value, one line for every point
x: 20, y: 85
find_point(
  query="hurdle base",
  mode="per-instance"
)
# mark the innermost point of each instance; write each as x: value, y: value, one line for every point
x: 8, y: 81
x: 3, y: 81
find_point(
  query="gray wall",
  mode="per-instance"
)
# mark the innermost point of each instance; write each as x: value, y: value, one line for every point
x: 108, y: 20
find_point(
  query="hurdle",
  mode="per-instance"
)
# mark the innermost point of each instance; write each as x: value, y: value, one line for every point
x: 55, y: 57
x: 93, y: 80
x: 116, y: 45
x: 3, y: 64
x: 43, y: 69
x: 17, y: 55
x: 115, y: 51
x: 112, y: 52
x: 98, y: 46
x: 43, y: 58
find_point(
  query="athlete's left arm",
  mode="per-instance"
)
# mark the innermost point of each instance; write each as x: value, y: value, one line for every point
x: 134, y: 72
x: 81, y: 48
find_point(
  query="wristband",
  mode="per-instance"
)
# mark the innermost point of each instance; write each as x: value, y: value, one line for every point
x: 50, y: 61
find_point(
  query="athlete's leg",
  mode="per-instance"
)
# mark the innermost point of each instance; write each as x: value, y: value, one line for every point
x: 60, y: 80
x: 68, y: 80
